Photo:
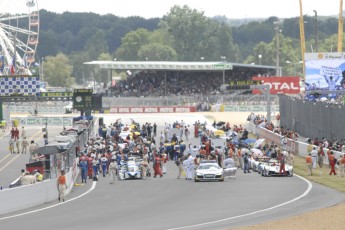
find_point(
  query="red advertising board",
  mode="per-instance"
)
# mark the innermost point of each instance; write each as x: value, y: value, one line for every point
x: 286, y: 85
x: 153, y: 109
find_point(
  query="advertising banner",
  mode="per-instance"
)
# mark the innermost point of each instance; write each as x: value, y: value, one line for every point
x: 159, y: 109
x: 286, y: 85
x: 324, y: 72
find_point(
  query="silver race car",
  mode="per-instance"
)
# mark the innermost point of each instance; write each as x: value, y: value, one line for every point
x: 209, y: 171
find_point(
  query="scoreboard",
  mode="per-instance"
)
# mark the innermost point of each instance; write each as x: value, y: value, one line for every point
x: 82, y: 99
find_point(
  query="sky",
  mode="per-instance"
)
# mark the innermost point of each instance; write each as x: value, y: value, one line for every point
x: 159, y: 8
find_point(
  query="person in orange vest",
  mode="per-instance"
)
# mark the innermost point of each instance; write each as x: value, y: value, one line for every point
x: 309, y: 163
x: 62, y: 186
x: 332, y: 161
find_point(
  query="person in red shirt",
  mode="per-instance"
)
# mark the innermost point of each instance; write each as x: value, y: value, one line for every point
x: 16, y: 134
x: 157, y: 166
x: 282, y: 164
x: 332, y: 164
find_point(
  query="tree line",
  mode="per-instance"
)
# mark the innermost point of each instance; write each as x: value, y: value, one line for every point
x: 68, y: 40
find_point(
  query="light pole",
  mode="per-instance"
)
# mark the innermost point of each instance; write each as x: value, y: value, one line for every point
x: 223, y: 60
x: 316, y: 31
x: 294, y: 65
x: 41, y: 69
x: 260, y: 56
x: 276, y: 28
x: 202, y: 59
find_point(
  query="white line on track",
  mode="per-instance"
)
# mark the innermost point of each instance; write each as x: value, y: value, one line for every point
x: 52, y: 206
x: 13, y: 159
x: 310, y: 186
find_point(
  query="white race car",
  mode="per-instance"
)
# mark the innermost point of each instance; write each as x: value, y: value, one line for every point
x: 129, y: 170
x: 209, y: 170
x: 272, y: 168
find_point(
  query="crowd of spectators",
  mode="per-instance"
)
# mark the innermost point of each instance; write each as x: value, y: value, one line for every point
x: 152, y: 83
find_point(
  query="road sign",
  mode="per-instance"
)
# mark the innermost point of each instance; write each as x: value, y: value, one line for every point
x: 82, y: 99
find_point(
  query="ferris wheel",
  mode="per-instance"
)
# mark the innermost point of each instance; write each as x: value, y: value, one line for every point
x: 19, y: 31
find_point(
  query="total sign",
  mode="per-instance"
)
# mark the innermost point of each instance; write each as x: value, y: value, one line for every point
x: 286, y: 85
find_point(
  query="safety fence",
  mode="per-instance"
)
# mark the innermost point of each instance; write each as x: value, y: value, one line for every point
x: 312, y: 119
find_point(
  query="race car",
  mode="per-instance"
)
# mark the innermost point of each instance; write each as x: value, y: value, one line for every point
x: 259, y: 163
x: 209, y: 170
x: 129, y: 170
x: 272, y: 168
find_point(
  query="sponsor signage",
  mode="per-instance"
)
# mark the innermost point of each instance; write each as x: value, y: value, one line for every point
x: 152, y: 109
x: 56, y: 94
x: 286, y: 85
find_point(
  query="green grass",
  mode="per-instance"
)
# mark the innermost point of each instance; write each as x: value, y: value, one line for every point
x: 320, y: 175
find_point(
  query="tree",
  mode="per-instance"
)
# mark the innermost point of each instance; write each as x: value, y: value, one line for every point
x: 187, y: 27
x: 157, y: 52
x: 57, y: 71
x: 96, y: 45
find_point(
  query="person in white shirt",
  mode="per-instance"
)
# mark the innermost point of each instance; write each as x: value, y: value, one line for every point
x: 25, y: 145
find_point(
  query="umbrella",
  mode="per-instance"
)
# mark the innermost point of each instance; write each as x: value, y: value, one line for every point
x: 219, y: 132
x: 220, y: 123
x: 249, y: 141
x: 256, y: 151
x: 258, y: 143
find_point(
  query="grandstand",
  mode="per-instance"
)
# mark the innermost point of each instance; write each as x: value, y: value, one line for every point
x: 145, y: 79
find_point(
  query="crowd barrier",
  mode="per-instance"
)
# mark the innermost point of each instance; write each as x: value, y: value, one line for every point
x: 297, y: 147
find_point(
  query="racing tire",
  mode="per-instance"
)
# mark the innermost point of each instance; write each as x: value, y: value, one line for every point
x: 196, y: 180
x: 291, y: 174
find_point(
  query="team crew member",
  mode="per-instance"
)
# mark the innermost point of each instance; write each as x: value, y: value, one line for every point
x: 104, y: 162
x: 282, y: 164
x: 112, y: 170
x: 25, y: 145
x: 309, y: 163
x: 83, y: 165
x: 178, y: 162
x: 314, y: 157
x: 157, y: 166
x: 62, y: 186
x: 341, y: 165
x: 332, y: 164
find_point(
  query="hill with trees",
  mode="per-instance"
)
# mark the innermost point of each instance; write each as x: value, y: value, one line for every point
x: 183, y: 34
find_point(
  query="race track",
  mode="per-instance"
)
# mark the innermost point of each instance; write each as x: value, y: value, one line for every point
x: 169, y: 203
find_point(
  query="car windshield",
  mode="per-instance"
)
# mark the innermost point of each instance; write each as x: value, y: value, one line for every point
x: 208, y: 166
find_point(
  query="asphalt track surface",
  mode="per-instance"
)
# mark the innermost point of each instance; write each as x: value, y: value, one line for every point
x: 170, y: 203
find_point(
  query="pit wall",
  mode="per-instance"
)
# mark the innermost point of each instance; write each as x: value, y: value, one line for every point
x: 28, y: 196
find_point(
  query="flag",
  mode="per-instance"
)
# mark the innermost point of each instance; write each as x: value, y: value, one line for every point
x: 13, y: 66
x: 2, y: 65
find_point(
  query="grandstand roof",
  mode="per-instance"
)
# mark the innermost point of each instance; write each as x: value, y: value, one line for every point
x: 168, y: 65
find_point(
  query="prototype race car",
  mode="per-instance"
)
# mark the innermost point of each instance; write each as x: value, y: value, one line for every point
x: 209, y: 170
x: 129, y: 170
x: 259, y: 164
x: 272, y: 168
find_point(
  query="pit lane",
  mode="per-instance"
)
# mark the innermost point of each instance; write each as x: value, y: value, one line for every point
x: 169, y: 203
